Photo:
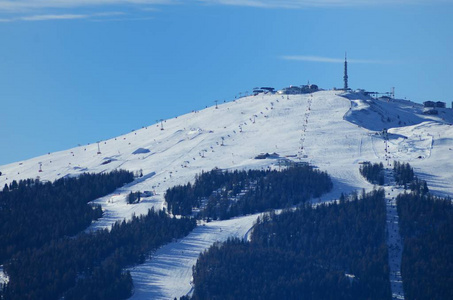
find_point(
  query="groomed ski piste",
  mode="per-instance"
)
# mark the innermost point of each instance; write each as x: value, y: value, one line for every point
x: 332, y: 130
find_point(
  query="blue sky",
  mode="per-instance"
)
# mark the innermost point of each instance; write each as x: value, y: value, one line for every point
x: 75, y: 72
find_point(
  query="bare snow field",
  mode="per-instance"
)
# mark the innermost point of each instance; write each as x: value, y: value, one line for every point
x: 332, y: 132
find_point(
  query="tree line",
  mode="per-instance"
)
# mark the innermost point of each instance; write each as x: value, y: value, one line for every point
x: 229, y: 194
x: 403, y: 172
x: 335, y: 251
x: 405, y: 176
x: 46, y: 257
x: 374, y: 173
x: 181, y: 199
x: 33, y: 213
x: 426, y: 226
x: 91, y: 265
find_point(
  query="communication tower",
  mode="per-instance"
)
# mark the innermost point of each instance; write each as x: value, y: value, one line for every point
x: 345, y: 77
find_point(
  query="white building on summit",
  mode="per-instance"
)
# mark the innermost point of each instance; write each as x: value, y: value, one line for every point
x: 295, y: 90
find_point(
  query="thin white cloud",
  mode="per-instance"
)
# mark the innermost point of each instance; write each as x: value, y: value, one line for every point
x: 14, y: 6
x: 42, y: 10
x: 49, y: 17
x: 311, y: 58
x: 128, y: 19
x: 319, y: 3
x: 52, y: 17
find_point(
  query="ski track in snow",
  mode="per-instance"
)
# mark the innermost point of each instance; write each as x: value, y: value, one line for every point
x: 394, y: 241
x: 395, y: 249
x: 157, y: 278
x: 336, y: 133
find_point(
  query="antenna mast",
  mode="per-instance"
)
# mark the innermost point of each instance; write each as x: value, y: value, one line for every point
x: 345, y: 77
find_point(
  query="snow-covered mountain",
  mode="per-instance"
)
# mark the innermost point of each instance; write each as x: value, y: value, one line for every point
x: 331, y: 130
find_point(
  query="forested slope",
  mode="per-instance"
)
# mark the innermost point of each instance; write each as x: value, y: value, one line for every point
x: 333, y: 251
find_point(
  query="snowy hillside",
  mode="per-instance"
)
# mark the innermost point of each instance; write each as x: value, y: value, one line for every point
x: 330, y: 131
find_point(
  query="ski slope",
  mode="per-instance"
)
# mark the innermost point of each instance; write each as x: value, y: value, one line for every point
x: 163, y: 275
x: 328, y: 129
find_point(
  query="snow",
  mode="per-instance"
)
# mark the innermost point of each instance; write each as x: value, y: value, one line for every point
x: 328, y: 129
x: 394, y: 240
x: 3, y: 278
x: 164, y: 277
